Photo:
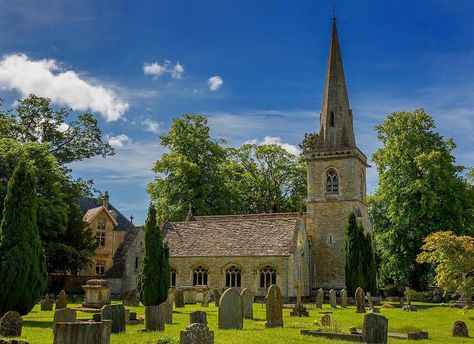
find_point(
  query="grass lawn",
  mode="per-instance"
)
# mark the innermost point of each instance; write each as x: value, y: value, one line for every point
x: 435, y: 319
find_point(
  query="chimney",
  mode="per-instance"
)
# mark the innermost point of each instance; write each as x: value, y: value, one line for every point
x: 105, y: 200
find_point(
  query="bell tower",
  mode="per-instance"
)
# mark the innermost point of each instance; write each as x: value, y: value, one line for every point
x: 336, y: 177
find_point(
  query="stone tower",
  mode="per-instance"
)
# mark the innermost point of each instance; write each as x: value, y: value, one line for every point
x: 336, y: 178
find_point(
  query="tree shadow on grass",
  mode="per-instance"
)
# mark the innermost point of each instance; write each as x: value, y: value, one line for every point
x: 38, y: 324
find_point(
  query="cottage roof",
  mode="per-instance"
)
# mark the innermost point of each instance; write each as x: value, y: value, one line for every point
x: 234, y: 235
x: 91, y: 207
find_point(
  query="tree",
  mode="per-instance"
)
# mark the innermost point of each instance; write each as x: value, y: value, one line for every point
x: 22, y: 263
x: 370, y: 270
x: 453, y: 258
x: 353, y: 264
x: 154, y: 277
x: 309, y: 142
x: 420, y: 191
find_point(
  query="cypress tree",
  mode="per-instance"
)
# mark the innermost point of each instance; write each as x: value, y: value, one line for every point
x: 22, y: 264
x: 370, y: 272
x: 352, y: 254
x: 154, y: 276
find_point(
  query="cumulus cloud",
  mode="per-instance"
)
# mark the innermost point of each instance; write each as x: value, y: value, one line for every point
x: 151, y: 126
x: 272, y: 140
x: 155, y: 69
x: 215, y: 82
x: 119, y: 140
x: 46, y: 78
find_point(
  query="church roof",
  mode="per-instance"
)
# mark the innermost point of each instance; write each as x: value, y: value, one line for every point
x: 234, y: 235
x: 92, y: 206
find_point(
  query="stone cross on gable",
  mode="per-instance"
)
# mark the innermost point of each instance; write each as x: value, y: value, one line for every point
x: 298, y: 287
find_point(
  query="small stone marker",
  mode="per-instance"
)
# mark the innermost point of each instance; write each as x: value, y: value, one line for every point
x: 375, y: 329
x: 115, y: 313
x: 343, y: 298
x: 408, y: 295
x: 274, y: 304
x: 198, y: 317
x: 217, y: 297
x: 197, y: 334
x: 179, y: 299
x: 153, y: 320
x: 247, y: 301
x: 64, y: 315
x: 62, y: 300
x: 47, y: 304
x: 326, y: 320
x: 83, y: 332
x: 370, y: 300
x: 320, y: 298
x: 460, y: 329
x: 332, y: 298
x: 360, y: 300
x: 11, y: 324
x: 231, y: 313
x: 169, y: 309
x: 131, y: 298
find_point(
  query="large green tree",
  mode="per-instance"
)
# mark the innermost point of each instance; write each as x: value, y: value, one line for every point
x: 22, y: 262
x: 420, y: 191
x: 353, y: 262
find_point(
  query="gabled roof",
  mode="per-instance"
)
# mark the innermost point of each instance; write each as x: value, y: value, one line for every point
x: 91, y: 208
x: 91, y: 214
x: 234, y: 235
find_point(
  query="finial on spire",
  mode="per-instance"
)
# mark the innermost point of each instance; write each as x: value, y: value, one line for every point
x: 334, y: 13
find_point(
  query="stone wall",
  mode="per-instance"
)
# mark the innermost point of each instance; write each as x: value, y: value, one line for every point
x: 133, y: 259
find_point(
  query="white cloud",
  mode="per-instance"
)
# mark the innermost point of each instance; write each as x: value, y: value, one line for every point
x: 151, y: 126
x: 272, y: 140
x: 63, y: 127
x: 119, y: 140
x: 215, y: 82
x: 46, y: 78
x: 155, y: 69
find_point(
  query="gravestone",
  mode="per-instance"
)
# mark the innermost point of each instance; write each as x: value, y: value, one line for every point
x: 408, y: 295
x: 197, y: 334
x: 370, y: 300
x: 47, y: 304
x: 230, y: 312
x: 332, y: 298
x: 360, y: 300
x: 217, y: 297
x: 62, y: 300
x: 154, y: 321
x: 169, y: 309
x: 375, y: 329
x: 83, y: 333
x: 326, y: 320
x: 131, y: 298
x: 97, y: 293
x: 460, y: 329
x: 198, y: 317
x: 179, y: 299
x: 343, y: 298
x: 274, y: 304
x: 247, y: 301
x: 65, y: 315
x: 320, y: 298
x: 299, y: 310
x: 206, y: 298
x: 115, y: 313
x: 11, y: 324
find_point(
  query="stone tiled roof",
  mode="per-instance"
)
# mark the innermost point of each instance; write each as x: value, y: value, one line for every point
x: 90, y: 205
x: 234, y: 235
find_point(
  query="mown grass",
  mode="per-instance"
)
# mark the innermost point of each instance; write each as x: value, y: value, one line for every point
x: 435, y: 319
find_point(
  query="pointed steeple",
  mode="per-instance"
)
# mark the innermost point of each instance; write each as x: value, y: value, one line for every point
x: 336, y: 130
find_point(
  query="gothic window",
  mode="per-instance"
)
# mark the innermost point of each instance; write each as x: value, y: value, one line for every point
x: 332, y: 120
x: 173, y: 278
x: 99, y: 268
x: 233, y: 276
x: 100, y: 237
x: 200, y: 275
x: 267, y: 277
x: 332, y: 182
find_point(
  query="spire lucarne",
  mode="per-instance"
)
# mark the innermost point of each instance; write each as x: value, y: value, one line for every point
x: 336, y: 130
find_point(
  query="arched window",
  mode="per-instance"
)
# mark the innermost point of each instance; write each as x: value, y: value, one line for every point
x: 200, y: 275
x: 232, y: 276
x: 173, y: 278
x: 332, y: 182
x: 268, y: 277
x: 332, y: 120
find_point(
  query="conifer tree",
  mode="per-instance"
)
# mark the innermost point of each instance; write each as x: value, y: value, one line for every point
x: 154, y: 276
x: 370, y: 271
x: 22, y: 263
x: 352, y: 254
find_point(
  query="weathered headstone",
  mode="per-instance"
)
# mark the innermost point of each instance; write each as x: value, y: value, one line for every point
x: 83, y: 332
x: 197, y: 334
x: 154, y: 321
x: 169, y: 309
x: 11, y: 324
x: 326, y: 320
x: 47, y: 304
x: 97, y: 293
x: 64, y: 315
x: 274, y: 304
x: 61, y: 302
x: 217, y: 297
x: 115, y: 313
x: 360, y: 300
x: 131, y: 298
x: 231, y: 314
x: 206, y: 298
x: 370, y: 301
x: 332, y: 298
x: 320, y: 298
x: 375, y: 329
x: 179, y: 299
x: 343, y: 298
x: 247, y: 301
x: 460, y: 329
x: 198, y: 317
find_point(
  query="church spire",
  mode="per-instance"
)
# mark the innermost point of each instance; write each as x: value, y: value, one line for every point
x: 336, y: 130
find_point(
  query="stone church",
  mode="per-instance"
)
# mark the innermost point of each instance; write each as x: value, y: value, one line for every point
x: 287, y: 249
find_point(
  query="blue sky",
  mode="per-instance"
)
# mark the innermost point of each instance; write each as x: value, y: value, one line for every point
x: 254, y: 68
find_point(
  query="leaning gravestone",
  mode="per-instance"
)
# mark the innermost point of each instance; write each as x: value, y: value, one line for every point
x: 83, y: 333
x: 360, y: 300
x: 247, y: 301
x: 343, y: 298
x: 11, y: 324
x: 231, y: 314
x: 62, y: 300
x: 274, y: 305
x: 47, y: 304
x: 460, y: 329
x: 169, y: 309
x: 217, y: 297
x: 131, y: 298
x: 332, y: 298
x: 198, y: 317
x: 154, y: 321
x: 375, y: 329
x: 320, y: 298
x: 179, y: 299
x: 115, y: 313
x: 197, y: 334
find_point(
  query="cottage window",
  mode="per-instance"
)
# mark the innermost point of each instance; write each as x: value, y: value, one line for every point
x: 100, y: 237
x: 101, y: 223
x: 99, y: 268
x: 267, y: 277
x: 200, y: 275
x: 232, y: 276
x: 332, y: 182
x: 173, y: 278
